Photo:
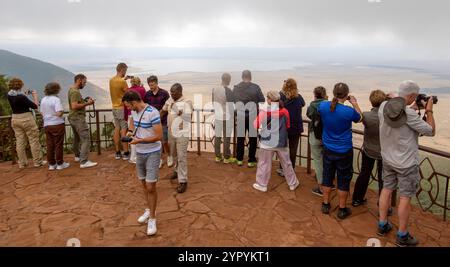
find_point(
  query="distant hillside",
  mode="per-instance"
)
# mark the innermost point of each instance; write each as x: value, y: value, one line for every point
x: 36, y: 74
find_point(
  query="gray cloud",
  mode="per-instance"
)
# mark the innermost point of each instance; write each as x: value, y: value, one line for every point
x: 419, y: 27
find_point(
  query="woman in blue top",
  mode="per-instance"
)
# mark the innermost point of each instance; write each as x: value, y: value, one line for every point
x: 338, y: 146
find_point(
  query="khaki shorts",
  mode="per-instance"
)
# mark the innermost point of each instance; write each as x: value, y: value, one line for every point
x: 119, y: 119
x: 406, y: 179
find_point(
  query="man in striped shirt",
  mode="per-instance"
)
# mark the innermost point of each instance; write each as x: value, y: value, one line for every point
x: 146, y: 132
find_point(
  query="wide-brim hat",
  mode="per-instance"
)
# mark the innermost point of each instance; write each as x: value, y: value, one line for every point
x: 394, y: 112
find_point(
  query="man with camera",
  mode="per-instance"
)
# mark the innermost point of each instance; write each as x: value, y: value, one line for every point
x: 77, y: 120
x: 400, y: 127
x: 117, y: 88
x: 145, y: 131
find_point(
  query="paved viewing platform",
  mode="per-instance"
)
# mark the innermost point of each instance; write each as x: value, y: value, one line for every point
x: 100, y: 207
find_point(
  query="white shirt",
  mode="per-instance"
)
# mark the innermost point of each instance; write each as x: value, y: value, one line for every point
x: 50, y: 105
x: 179, y: 125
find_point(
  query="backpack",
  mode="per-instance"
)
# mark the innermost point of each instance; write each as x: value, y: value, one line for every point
x: 317, y: 125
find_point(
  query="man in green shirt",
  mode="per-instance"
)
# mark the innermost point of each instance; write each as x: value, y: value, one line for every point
x: 77, y: 120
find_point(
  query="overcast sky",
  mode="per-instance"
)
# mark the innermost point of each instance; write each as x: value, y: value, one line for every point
x: 419, y: 28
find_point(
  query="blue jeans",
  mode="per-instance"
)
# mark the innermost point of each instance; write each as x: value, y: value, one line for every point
x: 340, y: 165
x: 147, y: 166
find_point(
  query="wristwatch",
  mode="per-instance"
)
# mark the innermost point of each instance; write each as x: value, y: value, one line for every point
x: 429, y: 111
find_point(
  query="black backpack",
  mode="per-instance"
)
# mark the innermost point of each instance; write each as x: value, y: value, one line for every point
x: 317, y: 125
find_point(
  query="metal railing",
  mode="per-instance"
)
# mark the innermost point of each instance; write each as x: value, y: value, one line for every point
x: 433, y: 193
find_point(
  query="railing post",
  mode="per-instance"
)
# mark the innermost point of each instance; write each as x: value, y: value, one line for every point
x: 308, y: 157
x: 97, y: 123
x: 11, y: 136
x: 234, y: 136
x: 198, y: 133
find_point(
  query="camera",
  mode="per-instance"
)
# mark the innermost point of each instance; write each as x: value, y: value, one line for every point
x: 126, y: 139
x: 424, y: 97
x: 28, y: 92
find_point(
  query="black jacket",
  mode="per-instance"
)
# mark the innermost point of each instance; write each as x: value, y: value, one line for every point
x: 246, y: 92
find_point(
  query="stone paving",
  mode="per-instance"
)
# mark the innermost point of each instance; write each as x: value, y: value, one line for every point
x: 100, y: 206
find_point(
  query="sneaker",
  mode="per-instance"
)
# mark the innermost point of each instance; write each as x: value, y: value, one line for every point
x: 230, y: 160
x: 260, y: 187
x: 23, y: 166
x: 326, y: 208
x: 77, y: 159
x: 406, y: 241
x: 126, y: 156
x: 182, y: 188
x: 42, y: 163
x: 240, y: 162
x: 294, y: 186
x: 118, y: 155
x: 88, y: 164
x: 63, y: 166
x: 174, y: 176
x: 144, y: 217
x: 169, y: 161
x: 161, y: 163
x: 344, y: 213
x: 316, y: 191
x: 357, y: 203
x: 251, y: 164
x: 132, y: 161
x: 151, y: 227
x: 385, y: 229
x: 280, y: 172
x: 218, y: 159
x: 52, y: 167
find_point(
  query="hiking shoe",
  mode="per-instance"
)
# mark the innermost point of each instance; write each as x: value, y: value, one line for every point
x: 385, y: 229
x: 240, y: 163
x: 326, y: 208
x: 280, y: 172
x: 316, y: 191
x: 126, y: 156
x: 151, y: 227
x: 169, y: 161
x: 52, y: 167
x: 260, y: 187
x: 118, y: 155
x: 344, y: 213
x: 174, y: 176
x: 63, y: 166
x: 251, y: 164
x: 88, y: 164
x: 76, y: 159
x: 406, y: 241
x: 356, y: 203
x: 144, y: 217
x: 218, y: 159
x: 182, y: 188
x: 294, y: 186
